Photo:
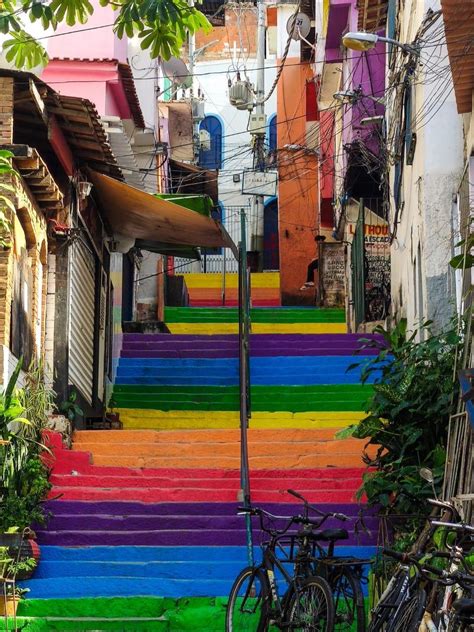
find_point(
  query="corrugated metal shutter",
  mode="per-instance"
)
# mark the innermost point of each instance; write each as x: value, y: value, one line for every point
x: 82, y: 317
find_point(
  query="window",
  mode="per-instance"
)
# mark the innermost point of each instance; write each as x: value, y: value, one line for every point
x: 272, y: 134
x: 210, y: 155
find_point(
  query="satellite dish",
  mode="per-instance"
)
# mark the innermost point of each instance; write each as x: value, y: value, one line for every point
x: 177, y: 72
x: 298, y: 26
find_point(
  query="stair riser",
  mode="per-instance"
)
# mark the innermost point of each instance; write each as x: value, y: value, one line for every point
x: 189, y: 509
x: 162, y: 523
x: 210, y: 555
x: 222, y: 484
x: 162, y: 538
x: 199, y: 495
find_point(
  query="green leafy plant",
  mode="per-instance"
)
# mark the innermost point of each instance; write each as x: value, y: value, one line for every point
x: 161, y: 25
x: 27, y: 564
x: 407, y: 416
x: 24, y: 477
x: 70, y: 408
x: 6, y: 172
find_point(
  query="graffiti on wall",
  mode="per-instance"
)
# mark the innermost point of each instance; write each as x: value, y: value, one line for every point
x: 333, y: 274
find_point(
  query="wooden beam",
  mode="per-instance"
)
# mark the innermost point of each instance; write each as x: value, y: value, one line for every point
x: 19, y: 151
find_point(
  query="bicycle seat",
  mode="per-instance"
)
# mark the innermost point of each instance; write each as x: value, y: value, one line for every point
x: 464, y: 607
x: 331, y: 535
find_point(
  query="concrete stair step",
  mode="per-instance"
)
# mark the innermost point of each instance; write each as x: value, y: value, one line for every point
x: 192, y: 495
x: 174, y: 537
x: 148, y: 437
x: 262, y: 484
x: 147, y: 522
x: 352, y: 459
x: 210, y: 555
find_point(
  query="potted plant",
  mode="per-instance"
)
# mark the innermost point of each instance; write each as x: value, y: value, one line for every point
x: 9, y: 605
x: 70, y: 408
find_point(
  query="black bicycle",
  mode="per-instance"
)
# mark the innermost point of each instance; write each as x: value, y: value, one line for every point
x: 255, y: 603
x: 343, y: 574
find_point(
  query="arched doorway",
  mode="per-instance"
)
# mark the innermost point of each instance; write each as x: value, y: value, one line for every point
x: 271, y: 250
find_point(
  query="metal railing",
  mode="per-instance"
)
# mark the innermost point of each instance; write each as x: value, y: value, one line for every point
x: 244, y: 377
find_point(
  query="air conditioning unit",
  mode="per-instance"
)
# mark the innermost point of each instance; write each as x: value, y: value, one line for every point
x: 241, y: 95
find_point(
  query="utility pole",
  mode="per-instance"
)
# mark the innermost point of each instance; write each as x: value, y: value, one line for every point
x: 258, y: 133
x: 194, y: 104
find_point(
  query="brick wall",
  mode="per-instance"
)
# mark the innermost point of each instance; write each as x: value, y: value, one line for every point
x: 238, y: 33
x: 33, y: 224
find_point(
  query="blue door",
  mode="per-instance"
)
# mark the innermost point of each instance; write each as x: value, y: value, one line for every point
x: 212, y: 158
x: 271, y: 249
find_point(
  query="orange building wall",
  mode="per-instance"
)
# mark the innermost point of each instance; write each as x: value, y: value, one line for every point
x: 297, y: 186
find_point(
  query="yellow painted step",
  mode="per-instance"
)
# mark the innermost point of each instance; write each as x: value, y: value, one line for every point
x: 214, y: 280
x: 258, y: 328
x: 146, y: 419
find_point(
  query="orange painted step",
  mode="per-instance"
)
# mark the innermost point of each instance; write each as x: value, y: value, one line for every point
x: 216, y: 461
x: 223, y: 435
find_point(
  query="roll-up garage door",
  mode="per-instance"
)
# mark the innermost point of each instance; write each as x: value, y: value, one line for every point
x: 82, y: 319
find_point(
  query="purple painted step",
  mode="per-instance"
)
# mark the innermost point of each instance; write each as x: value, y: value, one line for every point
x: 107, y: 522
x: 174, y: 537
x: 222, y: 346
x: 188, y: 509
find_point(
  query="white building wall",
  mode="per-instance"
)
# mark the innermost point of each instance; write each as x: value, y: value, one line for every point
x: 422, y: 283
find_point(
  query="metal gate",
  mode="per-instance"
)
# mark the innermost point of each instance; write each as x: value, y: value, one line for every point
x: 82, y: 319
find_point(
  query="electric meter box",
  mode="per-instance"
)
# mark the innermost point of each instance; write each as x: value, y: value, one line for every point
x: 258, y: 123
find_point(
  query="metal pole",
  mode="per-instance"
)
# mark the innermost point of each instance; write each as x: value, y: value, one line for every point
x: 224, y: 263
x: 192, y: 61
x: 259, y: 138
x: 244, y: 381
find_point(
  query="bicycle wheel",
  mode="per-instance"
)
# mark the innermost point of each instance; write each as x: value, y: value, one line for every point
x: 388, y: 602
x: 247, y: 607
x: 311, y: 607
x: 409, y: 617
x: 348, y: 602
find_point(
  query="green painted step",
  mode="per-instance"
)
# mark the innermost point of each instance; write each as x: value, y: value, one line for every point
x: 266, y: 315
x: 340, y: 397
x: 123, y: 613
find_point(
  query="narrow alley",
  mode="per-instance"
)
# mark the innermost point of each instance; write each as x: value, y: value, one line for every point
x: 145, y: 517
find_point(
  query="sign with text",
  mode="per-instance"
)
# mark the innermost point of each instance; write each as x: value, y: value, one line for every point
x: 333, y: 274
x: 259, y: 183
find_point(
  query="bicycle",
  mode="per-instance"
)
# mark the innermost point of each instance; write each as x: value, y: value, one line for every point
x: 402, y: 604
x: 254, y: 601
x: 343, y: 574
x: 439, y: 612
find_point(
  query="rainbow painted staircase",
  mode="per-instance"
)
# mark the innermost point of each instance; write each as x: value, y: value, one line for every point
x: 205, y: 290
x: 145, y: 534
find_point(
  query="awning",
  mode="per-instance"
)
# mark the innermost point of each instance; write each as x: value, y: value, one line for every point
x: 140, y: 215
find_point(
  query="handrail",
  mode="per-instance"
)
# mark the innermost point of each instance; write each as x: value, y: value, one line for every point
x: 244, y: 378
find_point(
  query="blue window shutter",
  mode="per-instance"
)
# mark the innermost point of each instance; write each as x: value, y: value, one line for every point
x: 397, y: 182
x: 391, y: 24
x: 272, y: 134
x: 212, y: 158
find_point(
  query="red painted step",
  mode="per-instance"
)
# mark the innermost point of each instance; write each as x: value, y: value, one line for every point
x: 166, y: 482
x: 195, y: 495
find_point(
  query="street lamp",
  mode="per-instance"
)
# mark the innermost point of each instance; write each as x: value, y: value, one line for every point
x: 363, y: 41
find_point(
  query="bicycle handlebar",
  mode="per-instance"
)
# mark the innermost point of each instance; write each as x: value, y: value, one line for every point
x: 325, y: 516
x: 454, y: 526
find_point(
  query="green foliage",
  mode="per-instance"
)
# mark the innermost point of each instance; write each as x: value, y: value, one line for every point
x: 161, y: 25
x: 24, y: 482
x: 465, y: 259
x: 6, y: 169
x: 70, y: 408
x: 407, y: 416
